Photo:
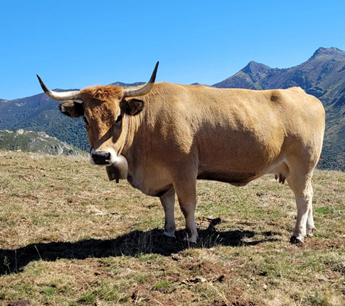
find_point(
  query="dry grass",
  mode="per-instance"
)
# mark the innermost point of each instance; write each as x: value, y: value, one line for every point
x: 70, y: 237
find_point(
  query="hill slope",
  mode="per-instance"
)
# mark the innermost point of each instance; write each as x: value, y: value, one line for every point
x: 38, y: 142
x: 40, y: 113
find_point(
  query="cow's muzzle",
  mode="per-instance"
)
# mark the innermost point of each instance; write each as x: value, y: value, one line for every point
x: 101, y: 157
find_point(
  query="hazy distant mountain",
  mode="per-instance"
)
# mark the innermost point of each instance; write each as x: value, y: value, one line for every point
x: 322, y: 75
x: 128, y: 84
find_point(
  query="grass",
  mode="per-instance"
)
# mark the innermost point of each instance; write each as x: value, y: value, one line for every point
x: 68, y: 236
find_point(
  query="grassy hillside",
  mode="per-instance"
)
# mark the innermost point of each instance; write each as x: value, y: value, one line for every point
x: 68, y: 236
x: 39, y: 142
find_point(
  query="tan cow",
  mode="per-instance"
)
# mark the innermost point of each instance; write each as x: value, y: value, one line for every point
x: 171, y: 135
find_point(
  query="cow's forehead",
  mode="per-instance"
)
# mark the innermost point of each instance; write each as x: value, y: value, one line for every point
x: 101, y: 104
x: 102, y: 95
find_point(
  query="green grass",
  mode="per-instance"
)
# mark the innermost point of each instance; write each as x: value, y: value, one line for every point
x: 68, y: 236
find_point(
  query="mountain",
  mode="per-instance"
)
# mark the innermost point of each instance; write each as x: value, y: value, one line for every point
x: 249, y: 77
x: 128, y: 84
x: 38, y: 142
x: 322, y: 75
x: 40, y: 113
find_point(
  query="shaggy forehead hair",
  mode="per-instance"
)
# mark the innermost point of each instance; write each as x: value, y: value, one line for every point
x: 103, y: 93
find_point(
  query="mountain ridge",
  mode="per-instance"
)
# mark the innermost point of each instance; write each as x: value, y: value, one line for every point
x: 322, y: 75
x: 333, y: 52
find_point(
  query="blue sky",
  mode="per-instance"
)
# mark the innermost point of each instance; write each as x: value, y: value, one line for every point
x: 74, y: 44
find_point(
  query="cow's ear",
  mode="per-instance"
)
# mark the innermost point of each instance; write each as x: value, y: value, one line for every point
x: 72, y: 109
x: 132, y: 107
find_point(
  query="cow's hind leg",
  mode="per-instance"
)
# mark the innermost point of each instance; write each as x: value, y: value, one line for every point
x: 302, y: 188
x: 168, y: 203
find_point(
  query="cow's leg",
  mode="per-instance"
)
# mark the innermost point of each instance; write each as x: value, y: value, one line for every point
x: 301, y: 186
x: 186, y: 194
x: 310, y: 221
x: 168, y: 203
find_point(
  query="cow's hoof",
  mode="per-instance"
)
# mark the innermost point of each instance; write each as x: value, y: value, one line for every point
x: 296, y: 241
x: 191, y: 242
x: 170, y: 235
x: 310, y: 233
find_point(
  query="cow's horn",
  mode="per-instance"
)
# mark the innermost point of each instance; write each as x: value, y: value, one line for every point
x: 59, y: 96
x: 143, y: 90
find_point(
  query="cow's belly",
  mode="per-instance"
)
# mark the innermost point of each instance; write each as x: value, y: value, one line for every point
x: 237, y: 164
x: 234, y: 178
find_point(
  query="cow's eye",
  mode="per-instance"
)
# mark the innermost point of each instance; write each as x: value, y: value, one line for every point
x: 85, y: 120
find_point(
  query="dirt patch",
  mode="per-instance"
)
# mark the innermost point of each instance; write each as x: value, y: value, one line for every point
x: 19, y: 303
x: 236, y: 302
x: 324, y: 244
x: 140, y: 294
x: 210, y: 272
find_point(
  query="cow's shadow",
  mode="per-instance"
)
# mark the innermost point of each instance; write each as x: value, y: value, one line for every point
x: 131, y: 244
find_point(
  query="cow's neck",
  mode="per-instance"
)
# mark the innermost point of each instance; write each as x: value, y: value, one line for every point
x: 130, y: 128
x: 130, y: 147
x: 121, y: 143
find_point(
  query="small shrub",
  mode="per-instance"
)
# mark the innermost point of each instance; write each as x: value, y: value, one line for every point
x: 49, y: 291
x: 88, y: 298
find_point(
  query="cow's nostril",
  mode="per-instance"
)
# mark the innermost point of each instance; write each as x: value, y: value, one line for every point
x: 101, y: 157
x: 107, y: 156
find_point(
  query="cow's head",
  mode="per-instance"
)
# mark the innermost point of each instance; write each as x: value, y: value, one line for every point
x: 103, y: 109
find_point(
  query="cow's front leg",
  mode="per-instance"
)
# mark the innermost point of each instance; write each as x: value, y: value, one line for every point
x: 168, y: 203
x: 310, y: 222
x: 186, y: 194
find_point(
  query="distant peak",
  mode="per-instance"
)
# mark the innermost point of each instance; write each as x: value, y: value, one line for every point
x: 254, y: 67
x: 332, y: 52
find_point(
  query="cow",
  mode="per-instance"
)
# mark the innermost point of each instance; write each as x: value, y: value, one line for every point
x: 162, y: 137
